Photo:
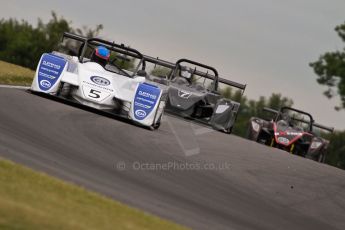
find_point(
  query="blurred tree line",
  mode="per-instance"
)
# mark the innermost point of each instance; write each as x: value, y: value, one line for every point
x: 330, y: 70
x: 23, y: 44
x: 253, y: 108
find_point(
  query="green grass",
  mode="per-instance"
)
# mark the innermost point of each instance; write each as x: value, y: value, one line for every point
x: 32, y: 200
x: 11, y: 74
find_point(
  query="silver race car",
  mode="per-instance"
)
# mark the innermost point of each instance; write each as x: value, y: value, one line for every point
x: 196, y: 95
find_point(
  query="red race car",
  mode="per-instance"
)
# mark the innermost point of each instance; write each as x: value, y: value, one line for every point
x: 292, y: 130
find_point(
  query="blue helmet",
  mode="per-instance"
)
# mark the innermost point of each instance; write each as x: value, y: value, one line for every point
x: 102, y: 52
x: 101, y: 55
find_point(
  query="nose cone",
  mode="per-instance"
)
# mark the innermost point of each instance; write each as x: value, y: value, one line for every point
x: 287, y: 135
x: 182, y: 99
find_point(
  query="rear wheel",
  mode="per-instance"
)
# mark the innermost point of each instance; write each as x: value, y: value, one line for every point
x: 265, y: 139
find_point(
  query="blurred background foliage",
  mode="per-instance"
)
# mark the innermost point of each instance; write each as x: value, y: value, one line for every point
x: 330, y: 70
x: 23, y: 44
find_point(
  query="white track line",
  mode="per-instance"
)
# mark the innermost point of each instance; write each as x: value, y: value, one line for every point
x: 14, y: 87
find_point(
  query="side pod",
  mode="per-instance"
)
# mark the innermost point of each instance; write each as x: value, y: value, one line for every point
x: 48, y: 73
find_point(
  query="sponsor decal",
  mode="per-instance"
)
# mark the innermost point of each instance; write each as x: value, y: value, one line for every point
x: 140, y: 113
x: 100, y: 80
x: 94, y: 94
x: 49, y: 71
x: 221, y: 108
x: 283, y: 140
x: 288, y: 133
x: 45, y: 84
x: 315, y: 144
x: 184, y: 94
x: 97, y: 86
x: 145, y: 100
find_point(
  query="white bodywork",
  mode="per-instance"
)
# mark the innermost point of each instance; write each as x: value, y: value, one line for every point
x: 96, y: 87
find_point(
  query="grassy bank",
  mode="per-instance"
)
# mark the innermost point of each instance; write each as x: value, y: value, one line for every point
x: 11, y: 74
x: 32, y: 200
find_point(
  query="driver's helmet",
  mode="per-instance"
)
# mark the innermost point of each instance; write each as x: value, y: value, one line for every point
x: 100, y: 55
x: 286, y: 117
x: 186, y: 72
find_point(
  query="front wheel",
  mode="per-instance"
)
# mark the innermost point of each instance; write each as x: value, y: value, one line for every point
x: 64, y: 90
x: 322, y: 157
x: 228, y: 130
x: 157, y: 124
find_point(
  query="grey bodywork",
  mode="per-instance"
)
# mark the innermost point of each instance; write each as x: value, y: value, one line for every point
x: 203, y: 104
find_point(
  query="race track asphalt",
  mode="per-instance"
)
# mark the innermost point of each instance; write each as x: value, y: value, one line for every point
x: 182, y: 172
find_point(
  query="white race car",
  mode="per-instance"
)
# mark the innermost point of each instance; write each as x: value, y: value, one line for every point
x: 101, y: 84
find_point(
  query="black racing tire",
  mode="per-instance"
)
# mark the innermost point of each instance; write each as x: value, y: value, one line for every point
x: 322, y: 157
x: 228, y: 130
x: 158, y: 123
x: 156, y: 126
x: 64, y: 90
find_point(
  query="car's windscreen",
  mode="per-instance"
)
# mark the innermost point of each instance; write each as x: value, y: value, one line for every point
x: 118, y: 62
x: 296, y: 119
x: 186, y: 75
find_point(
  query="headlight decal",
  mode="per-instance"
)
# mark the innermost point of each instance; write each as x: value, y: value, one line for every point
x: 255, y: 126
x: 315, y: 144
